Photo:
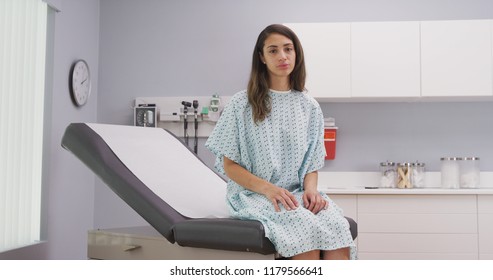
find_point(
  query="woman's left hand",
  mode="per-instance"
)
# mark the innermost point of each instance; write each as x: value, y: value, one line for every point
x: 314, y: 202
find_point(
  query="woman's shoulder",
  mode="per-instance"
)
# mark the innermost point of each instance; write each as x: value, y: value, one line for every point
x: 308, y: 99
x: 239, y: 99
x: 240, y: 95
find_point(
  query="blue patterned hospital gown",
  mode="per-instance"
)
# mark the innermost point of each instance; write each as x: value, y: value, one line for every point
x: 282, y: 149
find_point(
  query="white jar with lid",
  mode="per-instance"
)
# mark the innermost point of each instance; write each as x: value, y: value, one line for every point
x: 450, y: 172
x: 388, y: 175
x: 418, y: 175
x: 469, y: 173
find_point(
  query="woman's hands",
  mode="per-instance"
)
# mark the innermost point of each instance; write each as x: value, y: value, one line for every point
x: 279, y: 195
x: 312, y: 199
x: 314, y: 202
x: 251, y: 182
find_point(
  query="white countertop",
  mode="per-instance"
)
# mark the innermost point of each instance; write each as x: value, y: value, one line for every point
x: 355, y: 183
x: 396, y: 191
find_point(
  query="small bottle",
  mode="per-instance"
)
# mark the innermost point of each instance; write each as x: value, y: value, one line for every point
x: 215, y: 103
x: 450, y: 172
x: 418, y: 175
x: 469, y: 173
x: 388, y: 177
x: 214, y: 108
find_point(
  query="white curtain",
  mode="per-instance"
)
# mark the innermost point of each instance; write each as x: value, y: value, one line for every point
x: 22, y: 83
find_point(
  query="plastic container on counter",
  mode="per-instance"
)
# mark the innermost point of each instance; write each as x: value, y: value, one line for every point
x: 469, y: 173
x: 450, y: 172
x: 388, y: 174
x: 418, y: 175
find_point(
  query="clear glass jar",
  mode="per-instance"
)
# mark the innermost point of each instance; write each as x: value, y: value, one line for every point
x: 450, y: 172
x: 388, y: 175
x: 469, y: 173
x: 404, y: 171
x: 418, y: 175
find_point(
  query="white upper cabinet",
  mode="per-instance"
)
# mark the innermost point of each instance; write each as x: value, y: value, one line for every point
x: 327, y: 57
x: 456, y: 58
x: 385, y: 59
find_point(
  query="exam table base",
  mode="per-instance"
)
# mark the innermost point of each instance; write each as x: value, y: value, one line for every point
x: 145, y: 243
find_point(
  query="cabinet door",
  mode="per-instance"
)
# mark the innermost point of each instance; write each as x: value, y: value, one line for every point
x: 417, y: 227
x: 485, y: 216
x: 348, y: 204
x: 327, y: 57
x: 456, y: 58
x: 385, y: 59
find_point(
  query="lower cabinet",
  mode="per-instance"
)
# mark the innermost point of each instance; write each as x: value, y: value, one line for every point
x: 485, y: 218
x: 421, y: 226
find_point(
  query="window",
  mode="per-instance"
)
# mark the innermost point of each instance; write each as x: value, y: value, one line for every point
x: 22, y: 91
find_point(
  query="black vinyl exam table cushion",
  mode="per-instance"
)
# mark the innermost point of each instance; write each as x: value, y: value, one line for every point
x: 212, y: 233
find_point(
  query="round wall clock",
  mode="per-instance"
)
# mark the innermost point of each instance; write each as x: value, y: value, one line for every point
x: 80, y: 82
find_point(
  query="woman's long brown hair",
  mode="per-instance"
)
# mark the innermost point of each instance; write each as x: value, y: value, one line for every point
x: 258, y: 85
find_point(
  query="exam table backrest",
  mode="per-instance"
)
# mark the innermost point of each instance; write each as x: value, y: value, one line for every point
x: 88, y: 146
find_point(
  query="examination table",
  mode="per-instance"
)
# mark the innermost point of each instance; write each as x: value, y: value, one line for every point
x: 183, y: 200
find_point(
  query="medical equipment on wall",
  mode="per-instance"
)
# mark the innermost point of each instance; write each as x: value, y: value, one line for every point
x: 186, y: 105
x: 170, y: 114
x: 195, y: 105
x: 146, y: 115
x: 215, y: 108
x: 330, y: 132
x: 196, y: 120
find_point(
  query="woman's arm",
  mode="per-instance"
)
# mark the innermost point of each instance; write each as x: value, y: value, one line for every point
x: 312, y: 199
x: 253, y: 183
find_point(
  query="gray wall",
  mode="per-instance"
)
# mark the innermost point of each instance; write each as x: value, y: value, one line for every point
x: 190, y: 47
x: 69, y: 186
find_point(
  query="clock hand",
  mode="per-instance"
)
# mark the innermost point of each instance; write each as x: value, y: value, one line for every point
x: 83, y: 81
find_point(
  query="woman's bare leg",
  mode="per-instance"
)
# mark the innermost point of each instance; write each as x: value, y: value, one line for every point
x: 338, y: 254
x: 310, y: 255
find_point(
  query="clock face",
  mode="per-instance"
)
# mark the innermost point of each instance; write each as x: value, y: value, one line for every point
x: 80, y: 83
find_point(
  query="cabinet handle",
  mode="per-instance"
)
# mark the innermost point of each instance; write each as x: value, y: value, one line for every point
x: 128, y: 248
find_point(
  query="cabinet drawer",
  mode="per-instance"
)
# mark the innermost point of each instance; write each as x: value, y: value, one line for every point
x: 485, y: 233
x: 417, y: 204
x: 418, y: 223
x: 486, y: 256
x: 485, y: 204
x: 417, y: 256
x: 348, y: 203
x: 417, y: 243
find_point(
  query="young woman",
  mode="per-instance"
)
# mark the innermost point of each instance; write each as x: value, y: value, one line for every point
x: 269, y: 142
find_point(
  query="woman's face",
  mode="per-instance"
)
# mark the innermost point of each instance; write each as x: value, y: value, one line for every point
x: 279, y: 55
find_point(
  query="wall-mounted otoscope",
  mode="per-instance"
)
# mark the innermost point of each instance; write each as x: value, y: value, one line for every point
x: 195, y: 106
x: 186, y: 105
